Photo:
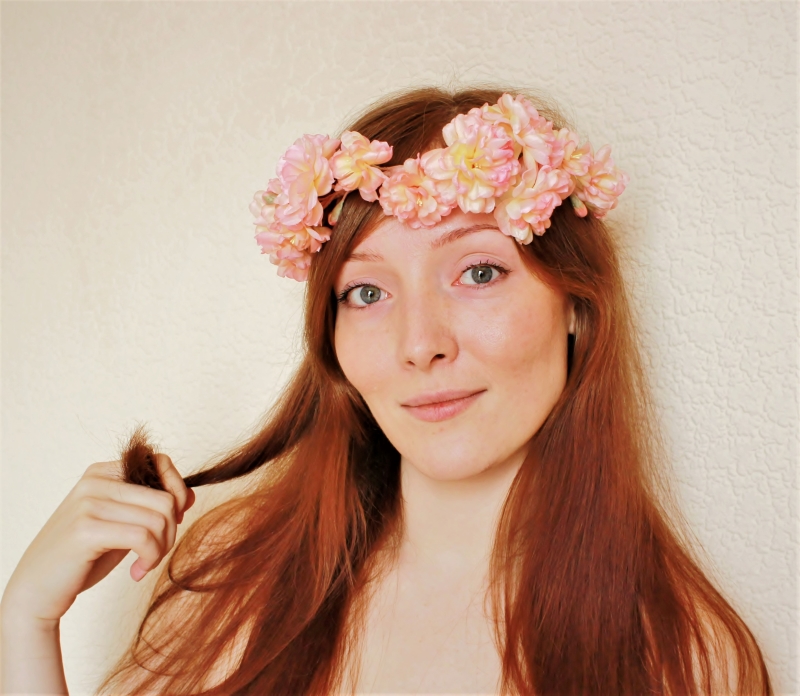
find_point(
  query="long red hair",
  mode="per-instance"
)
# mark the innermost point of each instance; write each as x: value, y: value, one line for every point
x: 596, y: 581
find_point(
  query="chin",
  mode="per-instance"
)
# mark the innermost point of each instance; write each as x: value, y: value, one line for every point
x: 446, y: 463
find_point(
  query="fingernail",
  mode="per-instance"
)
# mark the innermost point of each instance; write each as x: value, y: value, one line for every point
x: 180, y: 517
x: 137, y: 573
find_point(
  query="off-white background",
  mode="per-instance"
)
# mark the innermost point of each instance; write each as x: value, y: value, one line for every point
x: 133, y: 138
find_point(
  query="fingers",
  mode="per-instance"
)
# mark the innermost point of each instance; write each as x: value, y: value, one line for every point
x: 98, y: 486
x: 173, y: 482
x: 162, y: 527
x: 104, y: 497
x: 109, y: 535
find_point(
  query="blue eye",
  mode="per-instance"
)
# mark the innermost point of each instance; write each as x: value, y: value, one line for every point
x: 366, y: 295
x: 482, y: 273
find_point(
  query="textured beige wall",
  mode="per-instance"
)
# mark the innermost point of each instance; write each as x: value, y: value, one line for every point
x: 133, y: 138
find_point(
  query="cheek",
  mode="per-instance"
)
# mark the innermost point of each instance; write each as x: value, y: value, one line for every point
x: 523, y: 346
x: 363, y: 355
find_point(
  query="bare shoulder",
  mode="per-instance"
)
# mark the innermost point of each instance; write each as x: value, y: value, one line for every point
x: 149, y: 671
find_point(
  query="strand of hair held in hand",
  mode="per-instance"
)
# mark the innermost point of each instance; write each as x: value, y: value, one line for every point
x: 139, y: 461
x: 140, y: 465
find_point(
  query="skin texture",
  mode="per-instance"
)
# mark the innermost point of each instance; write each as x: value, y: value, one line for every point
x: 434, y: 327
x: 94, y: 528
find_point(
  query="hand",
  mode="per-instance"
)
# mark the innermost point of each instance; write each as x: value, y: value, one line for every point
x: 100, y: 520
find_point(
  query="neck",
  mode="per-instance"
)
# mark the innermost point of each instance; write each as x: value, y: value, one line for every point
x: 449, y: 525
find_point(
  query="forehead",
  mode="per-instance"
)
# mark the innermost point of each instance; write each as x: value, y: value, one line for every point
x: 391, y: 231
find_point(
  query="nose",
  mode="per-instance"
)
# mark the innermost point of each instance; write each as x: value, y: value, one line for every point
x: 426, y: 329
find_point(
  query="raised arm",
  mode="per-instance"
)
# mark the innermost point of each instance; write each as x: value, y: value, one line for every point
x: 97, y: 524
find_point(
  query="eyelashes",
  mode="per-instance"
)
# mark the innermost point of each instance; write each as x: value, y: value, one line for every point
x: 341, y: 298
x: 491, y: 264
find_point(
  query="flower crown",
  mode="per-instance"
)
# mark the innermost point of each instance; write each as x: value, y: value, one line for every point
x: 503, y: 158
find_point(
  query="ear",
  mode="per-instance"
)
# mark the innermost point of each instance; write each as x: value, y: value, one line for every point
x: 571, y: 317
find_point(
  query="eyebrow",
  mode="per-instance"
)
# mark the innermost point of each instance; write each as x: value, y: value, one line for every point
x: 437, y: 243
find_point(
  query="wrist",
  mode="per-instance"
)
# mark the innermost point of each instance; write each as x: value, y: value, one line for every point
x: 30, y: 653
x: 14, y: 616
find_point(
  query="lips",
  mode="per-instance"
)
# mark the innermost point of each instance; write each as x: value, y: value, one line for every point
x: 438, y: 406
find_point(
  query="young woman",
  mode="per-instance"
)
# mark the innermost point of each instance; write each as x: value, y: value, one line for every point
x: 460, y: 490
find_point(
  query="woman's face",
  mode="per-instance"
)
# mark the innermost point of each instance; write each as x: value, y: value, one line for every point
x: 451, y: 308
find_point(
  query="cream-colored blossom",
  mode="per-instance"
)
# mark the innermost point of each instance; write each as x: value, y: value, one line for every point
x: 601, y: 185
x: 526, y: 209
x: 353, y: 164
x: 411, y: 196
x: 291, y: 249
x: 478, y: 165
x: 263, y: 204
x: 291, y: 262
x: 532, y: 133
x: 569, y: 156
x: 305, y: 175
